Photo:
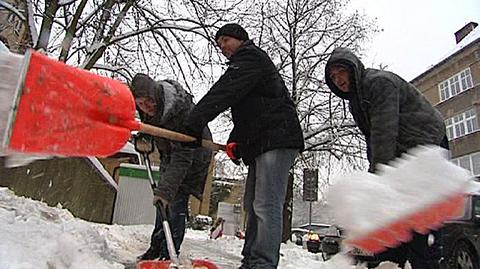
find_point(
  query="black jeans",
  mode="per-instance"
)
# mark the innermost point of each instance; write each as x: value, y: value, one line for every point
x: 177, y: 213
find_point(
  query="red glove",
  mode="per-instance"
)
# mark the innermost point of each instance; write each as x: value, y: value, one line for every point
x: 233, y: 152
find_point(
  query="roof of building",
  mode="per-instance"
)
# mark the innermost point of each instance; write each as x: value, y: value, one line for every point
x: 128, y: 148
x: 471, y: 38
x: 103, y: 172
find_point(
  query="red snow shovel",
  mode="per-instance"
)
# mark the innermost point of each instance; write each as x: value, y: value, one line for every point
x: 416, y: 192
x: 62, y: 110
x: 196, y: 264
x: 145, y: 149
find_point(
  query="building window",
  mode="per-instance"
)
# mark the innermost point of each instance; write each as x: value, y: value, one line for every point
x: 462, y: 124
x: 444, y: 91
x: 466, y: 79
x: 469, y: 162
x: 455, y: 85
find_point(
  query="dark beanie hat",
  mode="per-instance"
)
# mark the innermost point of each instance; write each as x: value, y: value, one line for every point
x: 232, y: 29
x: 142, y: 86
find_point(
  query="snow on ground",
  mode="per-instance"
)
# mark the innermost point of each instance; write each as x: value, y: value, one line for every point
x: 34, y: 235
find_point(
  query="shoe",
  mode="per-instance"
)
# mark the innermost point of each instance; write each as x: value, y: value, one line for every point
x: 150, y: 254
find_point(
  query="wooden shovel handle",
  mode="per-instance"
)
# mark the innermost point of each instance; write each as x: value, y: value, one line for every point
x: 171, y: 135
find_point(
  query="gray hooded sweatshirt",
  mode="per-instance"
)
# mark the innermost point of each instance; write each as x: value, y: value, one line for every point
x: 183, y: 170
x: 392, y: 114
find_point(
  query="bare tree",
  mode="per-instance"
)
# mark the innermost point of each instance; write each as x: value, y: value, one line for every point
x: 122, y: 37
x: 301, y: 35
x: 174, y: 39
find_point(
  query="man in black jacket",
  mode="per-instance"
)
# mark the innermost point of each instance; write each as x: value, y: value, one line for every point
x: 266, y: 135
x: 394, y: 117
x: 183, y: 170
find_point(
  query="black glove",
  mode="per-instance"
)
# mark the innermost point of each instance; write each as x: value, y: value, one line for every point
x: 233, y: 152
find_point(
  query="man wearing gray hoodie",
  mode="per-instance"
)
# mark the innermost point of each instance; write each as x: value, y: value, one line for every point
x: 183, y: 170
x: 394, y: 117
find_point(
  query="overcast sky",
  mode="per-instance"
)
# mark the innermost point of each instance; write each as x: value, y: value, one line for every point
x: 416, y: 33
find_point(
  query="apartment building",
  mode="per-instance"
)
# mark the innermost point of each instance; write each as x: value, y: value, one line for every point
x: 453, y: 85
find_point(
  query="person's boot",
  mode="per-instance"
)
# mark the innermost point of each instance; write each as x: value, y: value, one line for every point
x: 150, y: 254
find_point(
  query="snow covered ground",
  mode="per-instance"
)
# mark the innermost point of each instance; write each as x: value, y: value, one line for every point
x: 34, y: 235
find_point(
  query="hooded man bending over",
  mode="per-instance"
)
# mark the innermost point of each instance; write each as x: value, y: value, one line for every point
x: 394, y: 117
x: 183, y: 170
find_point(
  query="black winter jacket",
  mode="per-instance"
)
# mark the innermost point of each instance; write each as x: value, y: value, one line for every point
x: 392, y: 114
x: 183, y: 171
x: 263, y: 113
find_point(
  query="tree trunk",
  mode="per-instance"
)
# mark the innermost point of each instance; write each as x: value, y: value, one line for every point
x: 51, y: 8
x: 71, y: 32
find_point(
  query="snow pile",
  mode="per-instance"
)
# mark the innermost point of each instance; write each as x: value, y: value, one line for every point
x: 363, y: 202
x: 34, y: 235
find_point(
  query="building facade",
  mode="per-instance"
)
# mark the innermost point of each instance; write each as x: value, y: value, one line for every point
x: 452, y: 85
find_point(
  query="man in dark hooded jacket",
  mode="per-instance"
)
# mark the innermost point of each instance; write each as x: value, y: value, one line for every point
x: 394, y: 117
x: 266, y: 135
x: 183, y: 170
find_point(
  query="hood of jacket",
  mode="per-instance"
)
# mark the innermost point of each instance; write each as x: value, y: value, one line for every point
x: 173, y: 102
x: 176, y: 101
x: 345, y: 57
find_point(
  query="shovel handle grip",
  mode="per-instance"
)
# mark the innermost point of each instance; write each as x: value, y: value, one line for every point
x: 171, y: 135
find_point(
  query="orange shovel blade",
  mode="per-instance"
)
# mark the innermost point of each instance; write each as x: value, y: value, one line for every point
x: 423, y: 221
x: 166, y: 264
x: 69, y: 111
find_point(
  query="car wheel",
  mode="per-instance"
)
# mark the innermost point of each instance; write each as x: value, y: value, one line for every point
x: 462, y: 257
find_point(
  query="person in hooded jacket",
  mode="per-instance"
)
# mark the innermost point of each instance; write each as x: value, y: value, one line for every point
x: 183, y: 170
x: 266, y: 135
x: 394, y: 117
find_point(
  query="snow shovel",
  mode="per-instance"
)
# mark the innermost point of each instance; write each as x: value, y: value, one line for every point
x: 55, y: 109
x: 145, y: 150
x: 416, y: 192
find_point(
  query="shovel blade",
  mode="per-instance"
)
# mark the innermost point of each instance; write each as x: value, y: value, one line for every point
x: 203, y: 264
x: 423, y: 222
x: 69, y: 111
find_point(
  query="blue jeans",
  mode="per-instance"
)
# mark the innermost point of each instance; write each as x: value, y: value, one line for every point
x: 265, y: 191
x: 177, y: 212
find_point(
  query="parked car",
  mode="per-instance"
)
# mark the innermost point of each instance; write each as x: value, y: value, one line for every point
x: 331, y: 242
x: 201, y: 222
x: 315, y: 227
x: 312, y: 236
x: 455, y: 246
x: 313, y: 242
x: 297, y: 235
x: 300, y: 233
